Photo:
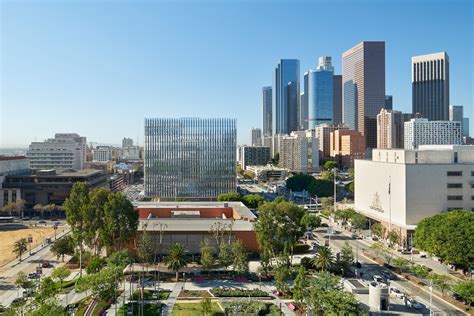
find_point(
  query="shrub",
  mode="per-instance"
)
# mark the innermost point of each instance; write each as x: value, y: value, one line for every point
x: 300, y: 248
x: 238, y: 293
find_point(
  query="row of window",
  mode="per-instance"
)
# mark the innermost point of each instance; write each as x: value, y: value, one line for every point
x: 457, y: 173
x: 457, y: 197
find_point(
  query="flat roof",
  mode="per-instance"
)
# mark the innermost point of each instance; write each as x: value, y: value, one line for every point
x: 6, y: 158
x: 191, y: 224
x: 239, y: 207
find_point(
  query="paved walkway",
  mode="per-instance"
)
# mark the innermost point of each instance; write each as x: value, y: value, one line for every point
x: 169, y: 303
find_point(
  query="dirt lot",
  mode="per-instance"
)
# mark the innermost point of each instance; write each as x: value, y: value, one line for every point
x: 8, y: 238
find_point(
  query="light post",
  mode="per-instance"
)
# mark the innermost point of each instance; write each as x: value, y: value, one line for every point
x: 335, y: 190
x: 55, y: 227
x: 389, y: 204
x: 431, y: 296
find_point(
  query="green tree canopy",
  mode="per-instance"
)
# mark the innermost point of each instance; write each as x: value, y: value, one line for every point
x: 120, y: 259
x: 321, y: 188
x: 20, y: 247
x: 22, y: 281
x: 466, y: 290
x: 177, y: 258
x: 253, y: 200
x: 60, y: 274
x: 324, y: 259
x: 207, y: 255
x: 63, y: 246
x: 448, y: 236
x: 310, y: 221
x: 330, y: 164
x: 239, y: 257
x: 299, y: 182
x: 229, y: 197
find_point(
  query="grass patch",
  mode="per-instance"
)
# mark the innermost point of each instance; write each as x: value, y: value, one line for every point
x: 100, y: 307
x: 150, y: 295
x: 148, y: 309
x: 194, y: 309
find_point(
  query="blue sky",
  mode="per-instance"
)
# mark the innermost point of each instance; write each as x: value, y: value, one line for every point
x: 99, y: 68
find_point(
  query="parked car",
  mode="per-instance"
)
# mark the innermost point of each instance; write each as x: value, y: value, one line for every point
x: 388, y: 276
x: 423, y: 255
x: 46, y: 264
x: 414, y: 304
x: 35, y: 218
x: 28, y: 293
x: 396, y: 292
x: 33, y: 275
x: 378, y: 278
x: 324, y: 225
x: 42, y: 222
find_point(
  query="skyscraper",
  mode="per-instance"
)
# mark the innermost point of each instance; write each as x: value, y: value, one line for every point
x: 255, y: 137
x: 430, y: 86
x: 267, y: 111
x: 320, y: 93
x: 389, y: 129
x: 189, y: 157
x: 388, y: 102
x: 303, y: 113
x: 465, y: 127
x: 363, y: 81
x: 337, y: 99
x: 286, y: 93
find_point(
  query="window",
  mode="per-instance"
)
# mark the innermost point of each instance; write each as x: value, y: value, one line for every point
x: 454, y: 173
x: 472, y: 185
x: 454, y: 197
x: 454, y: 185
x: 472, y: 173
x: 455, y: 157
x: 472, y: 197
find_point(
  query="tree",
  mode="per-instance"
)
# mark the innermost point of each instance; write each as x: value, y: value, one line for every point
x: 299, y: 182
x: 95, y: 219
x: 145, y: 247
x: 63, y: 246
x: 50, y: 307
x: 228, y: 197
x: 442, y: 282
x: 324, y: 258
x: 206, y: 305
x: 207, y: 256
x: 103, y: 283
x: 95, y: 264
x: 47, y: 289
x: 239, y: 257
x: 282, y: 276
x: 20, y: 247
x: 350, y: 172
x: 330, y: 164
x: 60, y: 273
x: 347, y: 257
x: 300, y: 285
x: 321, y: 188
x: 310, y: 221
x: 253, y: 200
x: 119, y: 259
x: 350, y: 186
x: 466, y: 290
x: 378, y: 230
x: 394, y: 237
x: 420, y: 271
x: 39, y: 208
x: 344, y: 215
x: 22, y: 281
x: 225, y: 254
x: 358, y: 221
x: 177, y: 259
x: 76, y: 206
x: 400, y: 263
x: 448, y: 236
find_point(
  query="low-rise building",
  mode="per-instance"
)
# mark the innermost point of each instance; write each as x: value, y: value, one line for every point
x: 253, y: 155
x: 189, y: 223
x: 268, y: 172
x: 52, y: 186
x: 102, y: 154
x: 399, y: 188
x: 11, y: 165
x: 347, y: 145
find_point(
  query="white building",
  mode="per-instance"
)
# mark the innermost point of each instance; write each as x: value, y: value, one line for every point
x: 389, y: 129
x: 299, y: 152
x: 102, y: 153
x: 400, y: 187
x: 129, y: 151
x: 420, y: 131
x: 64, y: 151
x: 268, y: 172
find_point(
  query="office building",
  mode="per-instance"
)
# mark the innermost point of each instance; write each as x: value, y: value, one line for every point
x: 52, y: 186
x: 102, y: 153
x: 363, y: 83
x: 285, y: 98
x: 299, y: 153
x: 465, y: 127
x: 303, y: 112
x: 388, y: 102
x: 189, y: 157
x: 267, y: 111
x: 64, y: 151
x: 323, y: 132
x: 190, y: 223
x: 430, y: 86
x: 255, y: 137
x: 319, y: 93
x: 337, y: 99
x: 253, y: 155
x: 11, y: 165
x: 399, y: 188
x: 456, y: 113
x: 127, y: 142
x: 421, y: 131
x: 129, y: 151
x: 346, y: 146
x: 389, y: 129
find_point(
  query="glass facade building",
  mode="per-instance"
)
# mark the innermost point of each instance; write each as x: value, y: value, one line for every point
x: 267, y: 111
x: 189, y: 157
x: 286, y: 94
x: 320, y: 93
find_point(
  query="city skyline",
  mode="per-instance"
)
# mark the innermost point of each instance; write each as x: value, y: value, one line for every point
x: 87, y: 66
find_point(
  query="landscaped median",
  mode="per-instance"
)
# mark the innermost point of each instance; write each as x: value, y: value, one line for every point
x: 239, y: 293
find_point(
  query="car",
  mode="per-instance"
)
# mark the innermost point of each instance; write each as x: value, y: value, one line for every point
x: 388, y: 276
x: 324, y: 225
x: 42, y: 222
x: 423, y: 256
x: 28, y: 293
x: 35, y: 218
x: 414, y: 304
x: 46, y: 264
x: 396, y: 292
x: 33, y: 275
x: 378, y: 278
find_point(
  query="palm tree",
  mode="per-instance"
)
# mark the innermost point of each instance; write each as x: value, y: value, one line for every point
x: 323, y: 259
x: 20, y: 246
x: 176, y: 260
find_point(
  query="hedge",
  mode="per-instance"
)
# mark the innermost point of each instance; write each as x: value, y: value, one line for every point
x: 238, y: 293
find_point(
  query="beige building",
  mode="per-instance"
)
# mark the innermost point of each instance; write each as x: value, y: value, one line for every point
x: 399, y: 188
x: 347, y: 145
x: 299, y: 152
x: 389, y: 129
x: 322, y: 132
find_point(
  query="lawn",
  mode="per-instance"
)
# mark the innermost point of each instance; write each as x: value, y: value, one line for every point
x: 194, y: 309
x: 148, y: 295
x: 148, y: 309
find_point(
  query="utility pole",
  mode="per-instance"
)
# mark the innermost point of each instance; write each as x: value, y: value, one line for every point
x: 389, y: 204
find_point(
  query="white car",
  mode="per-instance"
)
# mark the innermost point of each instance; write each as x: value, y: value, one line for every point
x: 414, y: 304
x: 396, y: 292
x: 378, y: 278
